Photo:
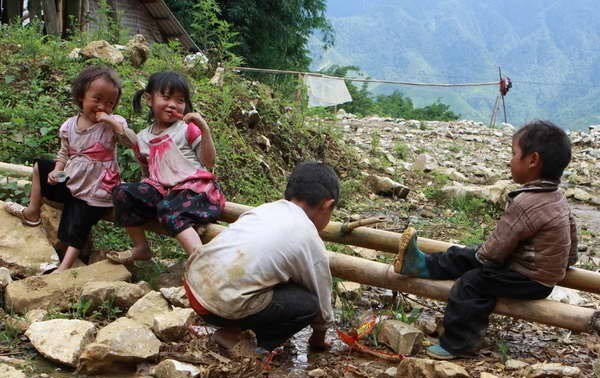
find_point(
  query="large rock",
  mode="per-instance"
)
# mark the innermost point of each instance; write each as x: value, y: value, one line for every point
x: 61, y: 340
x: 25, y: 251
x: 146, y: 308
x: 175, y: 369
x: 102, y: 50
x: 7, y: 371
x: 401, y: 337
x: 425, y: 163
x: 123, y: 341
x: 172, y: 325
x: 119, y: 293
x: 411, y: 367
x: 385, y: 186
x: 138, y: 50
x: 495, y: 193
x: 5, y: 278
x: 566, y: 295
x: 59, y: 290
x: 176, y: 296
x: 552, y: 370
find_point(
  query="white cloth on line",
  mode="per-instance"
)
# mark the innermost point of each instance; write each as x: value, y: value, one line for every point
x: 326, y: 91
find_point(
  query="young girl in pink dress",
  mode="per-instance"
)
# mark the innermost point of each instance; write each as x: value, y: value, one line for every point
x: 85, y: 169
x: 175, y: 152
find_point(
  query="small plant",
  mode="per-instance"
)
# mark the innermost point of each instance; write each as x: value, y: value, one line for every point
x: 81, y: 308
x: 503, y: 350
x: 108, y: 310
x: 9, y: 336
x: 375, y: 142
x: 400, y: 312
x: 401, y: 150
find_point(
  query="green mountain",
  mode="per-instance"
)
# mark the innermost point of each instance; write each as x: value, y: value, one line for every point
x: 549, y: 48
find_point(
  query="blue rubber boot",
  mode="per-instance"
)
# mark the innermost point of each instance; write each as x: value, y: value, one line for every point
x: 439, y: 353
x: 410, y: 261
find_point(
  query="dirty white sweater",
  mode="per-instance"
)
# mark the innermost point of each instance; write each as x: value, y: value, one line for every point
x: 233, y: 275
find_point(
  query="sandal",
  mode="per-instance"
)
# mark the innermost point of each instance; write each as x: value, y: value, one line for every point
x: 16, y: 209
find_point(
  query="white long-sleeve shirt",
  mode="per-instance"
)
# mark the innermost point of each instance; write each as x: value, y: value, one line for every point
x: 233, y: 275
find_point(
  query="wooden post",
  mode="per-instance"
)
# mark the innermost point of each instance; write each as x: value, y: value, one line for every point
x: 380, y: 240
x: 53, y: 16
x: 13, y: 10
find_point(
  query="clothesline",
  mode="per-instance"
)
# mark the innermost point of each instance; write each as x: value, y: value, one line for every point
x: 269, y: 70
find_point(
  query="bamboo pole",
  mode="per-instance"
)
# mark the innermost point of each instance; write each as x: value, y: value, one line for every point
x: 380, y: 240
x: 378, y: 274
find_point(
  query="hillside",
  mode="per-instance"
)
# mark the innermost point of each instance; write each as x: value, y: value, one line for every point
x: 548, y: 48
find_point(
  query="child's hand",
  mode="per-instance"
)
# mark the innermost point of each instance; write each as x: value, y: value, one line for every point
x: 317, y: 340
x: 103, y: 117
x: 52, y: 178
x: 197, y: 119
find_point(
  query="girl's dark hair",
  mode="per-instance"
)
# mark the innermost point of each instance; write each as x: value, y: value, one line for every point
x: 164, y: 82
x: 82, y: 82
x: 312, y: 182
x: 548, y: 140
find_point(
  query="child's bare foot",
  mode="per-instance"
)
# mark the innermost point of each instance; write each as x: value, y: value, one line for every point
x: 130, y: 255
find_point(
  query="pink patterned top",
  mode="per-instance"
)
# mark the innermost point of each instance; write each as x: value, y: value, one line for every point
x: 90, y: 158
x: 171, y: 161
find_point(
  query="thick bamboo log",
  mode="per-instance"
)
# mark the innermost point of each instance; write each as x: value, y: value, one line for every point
x: 366, y: 237
x: 378, y: 274
x: 386, y: 241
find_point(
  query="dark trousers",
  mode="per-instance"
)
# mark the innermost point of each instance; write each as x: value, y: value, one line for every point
x: 473, y: 296
x: 291, y: 309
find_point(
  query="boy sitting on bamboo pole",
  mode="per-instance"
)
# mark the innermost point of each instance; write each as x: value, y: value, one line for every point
x: 532, y: 246
x: 269, y: 271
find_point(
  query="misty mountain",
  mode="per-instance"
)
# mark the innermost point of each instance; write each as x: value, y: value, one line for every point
x: 549, y: 48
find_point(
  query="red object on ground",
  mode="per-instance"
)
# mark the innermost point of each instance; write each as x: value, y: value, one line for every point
x: 352, y: 338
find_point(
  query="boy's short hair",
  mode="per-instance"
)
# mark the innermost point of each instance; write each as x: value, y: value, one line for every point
x: 313, y: 182
x: 548, y: 140
x: 82, y: 82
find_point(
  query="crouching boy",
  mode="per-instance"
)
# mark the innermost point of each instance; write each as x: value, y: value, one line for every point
x: 269, y: 271
x: 527, y: 254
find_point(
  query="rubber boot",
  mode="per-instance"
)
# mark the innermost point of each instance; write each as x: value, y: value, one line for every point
x: 410, y: 261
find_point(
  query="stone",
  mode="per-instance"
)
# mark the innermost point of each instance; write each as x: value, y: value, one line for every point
x: 25, y: 251
x: 75, y: 54
x: 50, y: 222
x: 317, y: 373
x: 386, y: 186
x: 425, y: 163
x: 119, y: 293
x: 411, y: 367
x: 365, y: 253
x: 36, y: 315
x: 138, y: 50
x: 452, y: 174
x: 552, y: 370
x: 401, y: 337
x: 5, y: 277
x: 429, y: 324
x: 217, y: 78
x: 487, y: 375
x: 175, y: 369
x: 175, y: 296
x: 123, y: 340
x: 348, y: 289
x: 61, y: 340
x: 391, y: 372
x: 102, y: 50
x: 150, y: 305
x: 578, y: 194
x: 173, y: 325
x: 196, y: 60
x: 515, y: 364
x: 263, y: 142
x: 496, y: 193
x: 59, y: 290
x: 7, y: 371
x: 566, y: 295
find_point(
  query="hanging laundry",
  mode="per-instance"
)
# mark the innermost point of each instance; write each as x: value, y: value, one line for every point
x: 326, y: 91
